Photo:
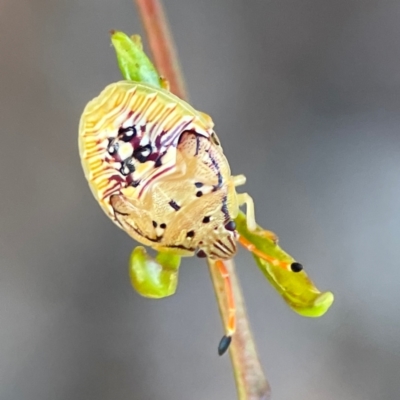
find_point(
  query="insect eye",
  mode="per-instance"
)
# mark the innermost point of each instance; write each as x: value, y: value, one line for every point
x: 230, y: 226
x: 127, y: 134
x: 142, y: 153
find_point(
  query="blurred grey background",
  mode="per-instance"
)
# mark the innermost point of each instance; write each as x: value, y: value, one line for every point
x: 306, y: 98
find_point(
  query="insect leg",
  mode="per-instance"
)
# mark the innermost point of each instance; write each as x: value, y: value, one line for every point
x: 231, y: 323
x: 274, y: 261
x: 244, y: 198
x: 239, y: 180
x: 264, y: 245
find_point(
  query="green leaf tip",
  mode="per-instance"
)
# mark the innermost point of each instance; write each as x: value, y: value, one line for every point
x: 154, y: 277
x: 297, y: 290
x: 318, y: 308
x: 133, y: 61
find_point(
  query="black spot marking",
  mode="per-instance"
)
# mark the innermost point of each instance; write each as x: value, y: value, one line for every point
x: 174, y: 205
x: 190, y: 234
x: 155, y: 224
x: 199, y: 194
x: 112, y: 147
x: 296, y: 267
x: 163, y: 226
x: 206, y: 220
x: 198, y: 184
x: 142, y: 153
x: 230, y: 226
x: 127, y: 134
x: 127, y: 167
x: 201, y: 254
x: 158, y: 162
x: 135, y: 183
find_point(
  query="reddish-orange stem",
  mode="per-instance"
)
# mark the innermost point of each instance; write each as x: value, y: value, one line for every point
x: 250, y: 380
x: 161, y: 44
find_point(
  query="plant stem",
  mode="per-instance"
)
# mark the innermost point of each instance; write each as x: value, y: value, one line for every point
x: 249, y: 376
x: 161, y: 44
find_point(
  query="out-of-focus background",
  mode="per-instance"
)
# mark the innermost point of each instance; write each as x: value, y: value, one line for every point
x: 306, y: 98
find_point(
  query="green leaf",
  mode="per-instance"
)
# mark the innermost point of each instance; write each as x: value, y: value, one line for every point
x: 298, y: 291
x: 154, y: 278
x: 132, y: 60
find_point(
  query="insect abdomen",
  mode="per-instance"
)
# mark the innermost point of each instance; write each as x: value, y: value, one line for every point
x: 112, y: 162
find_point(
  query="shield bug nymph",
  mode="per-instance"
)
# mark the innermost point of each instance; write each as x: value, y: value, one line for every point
x: 157, y: 169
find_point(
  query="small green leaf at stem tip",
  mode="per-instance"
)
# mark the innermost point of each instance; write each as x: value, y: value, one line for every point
x: 132, y: 60
x: 154, y: 277
x: 298, y: 291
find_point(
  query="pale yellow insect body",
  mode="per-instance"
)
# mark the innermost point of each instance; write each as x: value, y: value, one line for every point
x: 158, y: 171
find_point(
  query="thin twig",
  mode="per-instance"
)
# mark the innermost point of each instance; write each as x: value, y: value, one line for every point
x: 249, y: 376
x: 161, y: 44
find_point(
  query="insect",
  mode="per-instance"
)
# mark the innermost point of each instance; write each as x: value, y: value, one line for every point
x: 157, y: 169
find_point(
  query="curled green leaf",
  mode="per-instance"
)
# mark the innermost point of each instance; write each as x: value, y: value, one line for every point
x: 132, y: 60
x: 154, y: 277
x: 298, y: 291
